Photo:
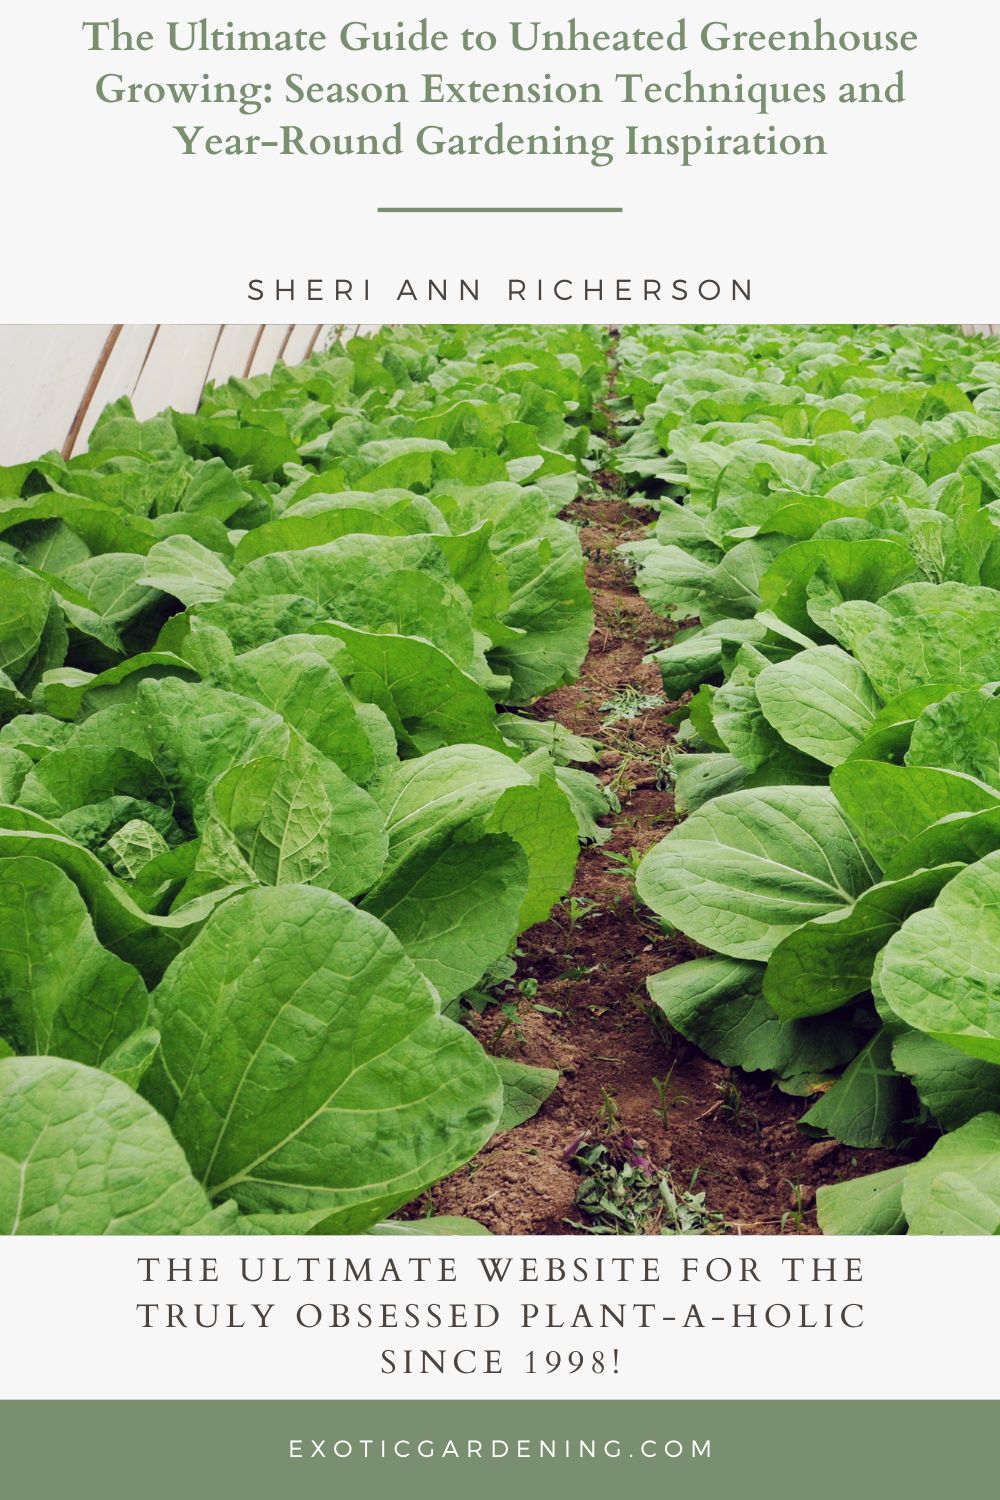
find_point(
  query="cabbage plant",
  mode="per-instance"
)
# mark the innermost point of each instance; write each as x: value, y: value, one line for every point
x: 262, y: 821
x: 827, y: 539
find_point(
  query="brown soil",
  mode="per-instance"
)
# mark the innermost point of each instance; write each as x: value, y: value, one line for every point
x: 734, y: 1130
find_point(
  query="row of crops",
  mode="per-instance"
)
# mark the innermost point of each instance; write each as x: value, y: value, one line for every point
x: 827, y: 540
x: 273, y: 799
x: 267, y: 807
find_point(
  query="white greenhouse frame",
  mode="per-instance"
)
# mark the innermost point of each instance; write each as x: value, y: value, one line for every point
x: 55, y: 380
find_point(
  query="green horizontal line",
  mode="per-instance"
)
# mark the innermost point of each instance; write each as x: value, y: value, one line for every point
x: 511, y: 210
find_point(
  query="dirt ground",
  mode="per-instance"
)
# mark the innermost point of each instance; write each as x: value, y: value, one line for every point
x: 731, y: 1134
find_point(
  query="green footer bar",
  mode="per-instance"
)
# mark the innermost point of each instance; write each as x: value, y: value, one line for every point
x: 697, y: 1449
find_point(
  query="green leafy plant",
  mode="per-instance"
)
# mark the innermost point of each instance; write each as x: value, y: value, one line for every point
x: 828, y: 521
x: 267, y: 809
x: 668, y: 1096
x: 628, y: 862
x: 273, y: 799
x: 579, y: 909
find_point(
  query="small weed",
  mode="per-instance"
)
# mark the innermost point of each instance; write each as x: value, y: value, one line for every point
x: 578, y: 909
x: 628, y: 863
x: 495, y: 983
x: 622, y: 624
x: 732, y: 1105
x: 629, y: 703
x: 511, y: 1023
x: 577, y: 972
x: 667, y: 1096
x: 610, y: 1112
x: 796, y: 1214
x: 731, y: 1101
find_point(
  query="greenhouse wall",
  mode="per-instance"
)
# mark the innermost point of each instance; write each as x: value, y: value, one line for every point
x: 55, y: 380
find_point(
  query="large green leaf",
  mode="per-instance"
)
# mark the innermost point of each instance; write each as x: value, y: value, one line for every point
x: 729, y: 589
x: 748, y: 868
x: 110, y: 584
x: 891, y: 805
x: 556, y: 617
x: 305, y: 1065
x: 926, y: 632
x: 565, y: 747
x: 265, y: 452
x: 80, y: 1153
x: 385, y: 585
x: 864, y: 1205
x: 61, y: 992
x: 828, y: 960
x: 15, y: 767
x: 472, y: 788
x: 551, y: 604
x: 296, y: 678
x: 889, y: 736
x: 953, y: 1086
x: 82, y: 774
x: 699, y: 778
x: 735, y: 719
x: 454, y: 904
x: 941, y: 971
x: 961, y: 837
x: 289, y: 820
x: 960, y: 733
x: 717, y: 1004
x: 181, y: 566
x: 24, y: 611
x: 429, y: 701
x: 820, y: 701
x: 866, y: 568
x: 696, y: 656
x: 148, y: 942
x: 196, y: 732
x: 101, y: 527
x: 69, y: 692
x: 869, y: 1105
x: 318, y: 519
x: 956, y: 1188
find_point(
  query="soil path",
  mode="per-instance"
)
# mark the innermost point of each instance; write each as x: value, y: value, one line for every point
x: 731, y: 1133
